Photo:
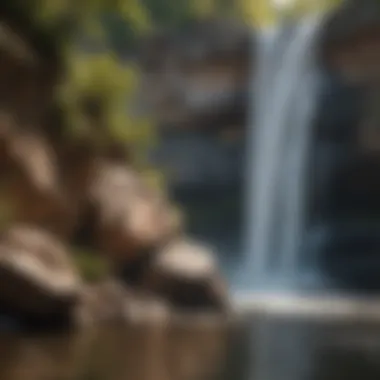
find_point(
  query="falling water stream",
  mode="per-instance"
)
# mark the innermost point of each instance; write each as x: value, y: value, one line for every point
x: 286, y: 90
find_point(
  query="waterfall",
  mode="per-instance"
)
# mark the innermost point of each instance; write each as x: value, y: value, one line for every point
x: 285, y: 93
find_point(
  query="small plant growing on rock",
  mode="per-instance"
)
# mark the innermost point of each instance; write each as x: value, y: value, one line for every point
x: 92, y: 266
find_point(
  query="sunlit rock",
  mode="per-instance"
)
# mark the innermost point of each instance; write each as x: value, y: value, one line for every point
x: 147, y: 310
x: 37, y: 278
x: 186, y: 274
x: 130, y: 217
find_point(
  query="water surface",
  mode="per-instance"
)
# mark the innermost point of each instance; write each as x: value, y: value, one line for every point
x: 266, y: 349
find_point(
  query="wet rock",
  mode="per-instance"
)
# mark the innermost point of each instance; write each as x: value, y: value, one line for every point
x: 104, y: 302
x: 110, y: 302
x: 185, y: 273
x: 129, y: 216
x: 144, y: 309
x: 37, y: 278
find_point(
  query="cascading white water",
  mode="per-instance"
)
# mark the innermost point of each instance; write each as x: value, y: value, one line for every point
x: 285, y: 93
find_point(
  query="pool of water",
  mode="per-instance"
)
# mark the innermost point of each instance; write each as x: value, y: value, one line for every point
x: 254, y: 349
x: 290, y: 349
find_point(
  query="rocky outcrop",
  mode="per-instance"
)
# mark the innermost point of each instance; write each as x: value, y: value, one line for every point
x: 132, y: 225
x: 77, y: 193
x: 140, y: 234
x: 182, y: 279
x: 129, y: 216
x: 185, y: 273
x: 38, y: 279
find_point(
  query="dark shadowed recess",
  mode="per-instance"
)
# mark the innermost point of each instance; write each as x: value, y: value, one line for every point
x: 344, y: 175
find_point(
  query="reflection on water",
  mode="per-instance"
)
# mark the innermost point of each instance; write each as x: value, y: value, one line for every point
x: 264, y: 350
x: 116, y: 353
x: 295, y: 350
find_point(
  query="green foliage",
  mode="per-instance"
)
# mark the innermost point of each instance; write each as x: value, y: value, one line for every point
x: 153, y: 178
x: 96, y: 91
x: 264, y: 12
x: 96, y: 95
x: 91, y: 266
x: 56, y: 14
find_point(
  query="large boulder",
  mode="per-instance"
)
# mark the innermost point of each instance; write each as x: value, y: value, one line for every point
x: 129, y: 216
x: 185, y: 273
x: 37, y: 278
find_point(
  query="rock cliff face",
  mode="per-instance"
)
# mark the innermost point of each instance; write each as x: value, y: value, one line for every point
x: 199, y: 75
x: 56, y: 193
